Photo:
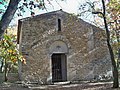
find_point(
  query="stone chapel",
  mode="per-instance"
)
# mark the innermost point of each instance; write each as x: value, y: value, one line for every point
x: 60, y: 47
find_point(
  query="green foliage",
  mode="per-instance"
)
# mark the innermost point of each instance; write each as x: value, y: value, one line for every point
x: 113, y: 9
x: 9, y: 53
x: 114, y: 4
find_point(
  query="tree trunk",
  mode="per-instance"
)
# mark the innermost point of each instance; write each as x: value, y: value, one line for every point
x: 1, y: 65
x: 8, y: 15
x: 6, y: 66
x: 119, y: 54
x: 114, y: 66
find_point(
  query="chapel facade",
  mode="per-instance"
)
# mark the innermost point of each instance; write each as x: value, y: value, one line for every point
x: 60, y: 47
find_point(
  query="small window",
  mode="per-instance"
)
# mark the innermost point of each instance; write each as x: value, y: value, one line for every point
x: 59, y: 24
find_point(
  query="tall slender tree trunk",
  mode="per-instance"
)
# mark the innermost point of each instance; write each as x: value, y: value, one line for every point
x: 8, y: 16
x: 114, y: 66
x: 5, y: 72
x: 1, y: 65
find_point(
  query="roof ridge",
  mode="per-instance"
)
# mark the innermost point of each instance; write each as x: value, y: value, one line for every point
x: 51, y: 12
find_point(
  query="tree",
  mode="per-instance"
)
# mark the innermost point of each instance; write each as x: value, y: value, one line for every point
x: 11, y: 9
x: 85, y: 12
x: 8, y: 15
x: 114, y: 25
x: 114, y: 66
x: 113, y: 11
x: 9, y: 54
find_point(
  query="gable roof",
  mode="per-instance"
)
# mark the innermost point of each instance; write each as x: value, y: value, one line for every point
x: 48, y: 14
x: 44, y: 15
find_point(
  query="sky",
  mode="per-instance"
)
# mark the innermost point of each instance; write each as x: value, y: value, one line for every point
x: 70, y: 6
x: 2, y: 7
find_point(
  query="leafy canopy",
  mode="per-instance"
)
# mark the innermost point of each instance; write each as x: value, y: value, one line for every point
x: 9, y: 51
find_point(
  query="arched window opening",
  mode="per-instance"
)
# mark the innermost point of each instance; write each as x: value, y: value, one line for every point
x: 59, y: 24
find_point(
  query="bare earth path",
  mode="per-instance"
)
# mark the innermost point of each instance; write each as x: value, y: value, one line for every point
x: 81, y: 86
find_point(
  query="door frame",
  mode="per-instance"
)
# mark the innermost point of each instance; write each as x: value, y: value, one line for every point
x: 63, y: 61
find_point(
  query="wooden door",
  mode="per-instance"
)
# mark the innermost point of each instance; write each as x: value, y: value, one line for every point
x: 56, y: 68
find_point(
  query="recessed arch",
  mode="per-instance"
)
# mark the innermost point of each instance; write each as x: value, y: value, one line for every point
x: 58, y: 47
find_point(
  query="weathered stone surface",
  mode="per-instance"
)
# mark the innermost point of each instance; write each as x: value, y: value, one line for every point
x: 87, y: 54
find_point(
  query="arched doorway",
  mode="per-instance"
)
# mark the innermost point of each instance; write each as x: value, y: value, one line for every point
x: 59, y: 67
x: 58, y: 51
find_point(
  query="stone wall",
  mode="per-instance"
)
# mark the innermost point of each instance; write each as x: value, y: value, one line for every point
x: 87, y: 54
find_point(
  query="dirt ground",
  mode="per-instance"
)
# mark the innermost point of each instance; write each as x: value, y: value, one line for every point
x: 80, y: 86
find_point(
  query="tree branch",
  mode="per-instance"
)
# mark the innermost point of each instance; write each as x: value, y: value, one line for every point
x: 8, y: 15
